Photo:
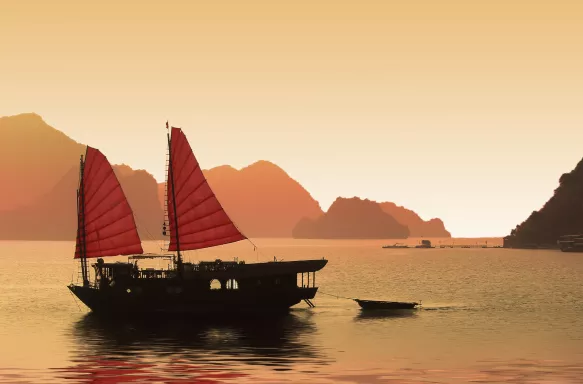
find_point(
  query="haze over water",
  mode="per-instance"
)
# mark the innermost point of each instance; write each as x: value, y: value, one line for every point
x: 489, y: 315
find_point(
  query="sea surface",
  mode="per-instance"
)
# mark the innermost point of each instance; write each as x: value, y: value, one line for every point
x: 488, y: 316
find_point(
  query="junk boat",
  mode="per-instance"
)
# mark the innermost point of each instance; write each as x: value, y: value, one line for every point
x: 195, y: 220
x: 375, y: 305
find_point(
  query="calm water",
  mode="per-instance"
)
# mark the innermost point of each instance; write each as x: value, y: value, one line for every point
x: 490, y: 315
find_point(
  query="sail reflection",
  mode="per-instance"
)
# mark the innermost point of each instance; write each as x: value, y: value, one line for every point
x: 186, y: 351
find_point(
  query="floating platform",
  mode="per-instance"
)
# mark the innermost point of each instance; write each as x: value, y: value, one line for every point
x: 468, y: 246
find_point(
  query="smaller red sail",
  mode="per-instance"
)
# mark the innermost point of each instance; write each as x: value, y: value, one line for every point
x: 202, y: 221
x: 106, y: 221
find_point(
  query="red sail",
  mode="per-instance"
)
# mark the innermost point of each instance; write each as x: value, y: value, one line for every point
x: 202, y: 221
x: 108, y: 228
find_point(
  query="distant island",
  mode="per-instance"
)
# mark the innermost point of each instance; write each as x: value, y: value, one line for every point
x: 357, y: 218
x: 417, y: 226
x: 352, y: 219
x: 561, y: 215
x: 38, y: 201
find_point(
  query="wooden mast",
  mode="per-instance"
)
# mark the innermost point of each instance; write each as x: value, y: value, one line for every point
x: 81, y: 223
x: 179, y: 266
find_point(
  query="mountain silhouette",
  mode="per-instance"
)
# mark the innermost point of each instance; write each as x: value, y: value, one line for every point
x: 352, y: 219
x: 40, y: 165
x: 561, y: 215
x: 262, y: 199
x: 417, y: 226
x: 54, y: 215
x: 33, y: 157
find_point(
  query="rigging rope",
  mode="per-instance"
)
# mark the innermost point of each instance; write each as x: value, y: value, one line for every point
x: 255, y: 247
x: 148, y: 233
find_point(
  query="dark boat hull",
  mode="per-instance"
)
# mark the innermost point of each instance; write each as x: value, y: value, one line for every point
x: 260, y: 288
x: 160, y: 301
x: 571, y: 243
x: 578, y: 249
x: 376, y: 305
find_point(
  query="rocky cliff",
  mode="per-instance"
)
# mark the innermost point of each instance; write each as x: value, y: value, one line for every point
x: 352, y: 219
x: 53, y: 216
x: 33, y: 157
x: 561, y: 215
x: 417, y: 226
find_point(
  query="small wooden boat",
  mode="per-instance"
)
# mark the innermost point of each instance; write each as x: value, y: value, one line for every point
x: 373, y: 304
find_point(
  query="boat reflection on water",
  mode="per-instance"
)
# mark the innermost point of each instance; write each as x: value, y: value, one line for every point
x: 380, y: 314
x: 186, y: 351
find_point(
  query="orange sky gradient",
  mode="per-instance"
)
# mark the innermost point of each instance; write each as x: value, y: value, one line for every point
x: 464, y: 110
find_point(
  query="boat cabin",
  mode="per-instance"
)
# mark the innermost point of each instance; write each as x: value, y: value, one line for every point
x: 205, y: 275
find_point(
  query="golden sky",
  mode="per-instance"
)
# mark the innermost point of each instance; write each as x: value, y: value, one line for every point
x: 464, y: 110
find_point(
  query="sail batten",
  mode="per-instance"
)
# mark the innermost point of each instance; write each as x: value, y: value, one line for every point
x: 105, y: 213
x: 207, y: 229
x: 196, y: 188
x: 199, y: 202
x: 206, y: 216
x: 192, y: 205
x: 106, y: 225
x: 117, y: 233
x: 185, y: 198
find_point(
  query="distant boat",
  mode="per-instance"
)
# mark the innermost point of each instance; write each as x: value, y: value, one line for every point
x: 396, y: 245
x: 571, y: 243
x: 425, y: 244
x: 375, y: 305
x: 194, y: 220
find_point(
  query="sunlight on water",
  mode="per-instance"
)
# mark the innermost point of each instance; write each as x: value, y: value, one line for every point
x: 488, y: 315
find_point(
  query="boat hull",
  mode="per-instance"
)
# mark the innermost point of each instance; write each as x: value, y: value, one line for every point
x: 184, y: 301
x: 571, y: 243
x: 384, y: 305
x: 572, y: 249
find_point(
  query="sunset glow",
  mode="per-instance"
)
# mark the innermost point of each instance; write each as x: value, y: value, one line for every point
x: 466, y: 111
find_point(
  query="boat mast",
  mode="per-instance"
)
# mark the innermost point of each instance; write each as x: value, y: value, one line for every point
x: 81, y: 214
x: 171, y: 179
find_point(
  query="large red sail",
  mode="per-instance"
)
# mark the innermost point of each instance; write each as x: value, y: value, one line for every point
x: 106, y: 221
x: 202, y: 221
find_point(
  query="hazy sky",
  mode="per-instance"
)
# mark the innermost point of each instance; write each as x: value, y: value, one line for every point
x: 465, y: 110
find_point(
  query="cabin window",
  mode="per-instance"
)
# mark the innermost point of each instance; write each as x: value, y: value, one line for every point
x: 215, y: 284
x: 277, y: 281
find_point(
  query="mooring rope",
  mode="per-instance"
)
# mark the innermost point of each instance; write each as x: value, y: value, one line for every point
x: 336, y: 296
x: 349, y: 298
x: 75, y: 301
